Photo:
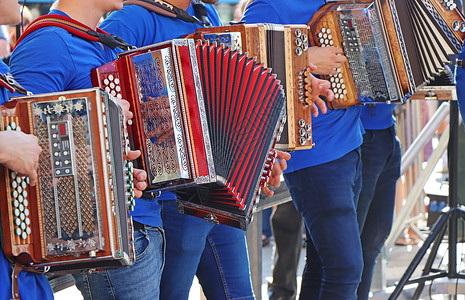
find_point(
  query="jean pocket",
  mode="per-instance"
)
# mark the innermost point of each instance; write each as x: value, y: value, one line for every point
x: 142, y: 243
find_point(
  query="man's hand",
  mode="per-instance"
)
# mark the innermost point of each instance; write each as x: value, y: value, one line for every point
x: 139, y: 175
x: 275, y: 178
x: 320, y: 87
x: 124, y: 104
x: 326, y: 59
x: 139, y: 181
x: 20, y: 152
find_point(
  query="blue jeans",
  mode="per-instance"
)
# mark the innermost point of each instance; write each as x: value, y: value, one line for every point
x: 266, y: 222
x: 381, y: 157
x: 326, y: 196
x: 217, y: 254
x: 139, y: 281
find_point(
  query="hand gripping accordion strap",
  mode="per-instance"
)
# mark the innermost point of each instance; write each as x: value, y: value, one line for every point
x: 76, y: 28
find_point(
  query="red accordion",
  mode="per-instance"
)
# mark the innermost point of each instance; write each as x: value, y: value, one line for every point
x: 77, y: 216
x: 284, y: 49
x: 206, y: 118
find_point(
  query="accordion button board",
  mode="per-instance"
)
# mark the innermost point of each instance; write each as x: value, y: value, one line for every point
x: 206, y: 117
x: 355, y: 28
x: 77, y: 216
x: 283, y: 48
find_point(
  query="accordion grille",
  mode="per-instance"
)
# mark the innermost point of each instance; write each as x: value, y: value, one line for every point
x: 45, y: 175
x: 85, y: 188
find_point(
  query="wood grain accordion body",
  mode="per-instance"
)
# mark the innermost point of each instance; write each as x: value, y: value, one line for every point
x: 393, y: 47
x: 206, y: 118
x: 77, y: 216
x: 284, y: 49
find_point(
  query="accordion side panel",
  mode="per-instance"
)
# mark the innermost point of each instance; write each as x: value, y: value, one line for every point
x: 18, y: 213
x: 68, y: 221
x: 298, y: 91
x: 324, y: 31
x: 116, y: 79
x: 163, y: 133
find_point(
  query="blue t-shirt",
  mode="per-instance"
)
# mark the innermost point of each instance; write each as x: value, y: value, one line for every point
x: 335, y: 133
x: 378, y: 116
x: 31, y: 286
x: 51, y: 59
x: 141, y: 27
x: 460, y: 84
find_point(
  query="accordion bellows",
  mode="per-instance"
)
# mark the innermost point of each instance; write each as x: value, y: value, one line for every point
x: 206, y: 118
x: 77, y: 216
x: 284, y: 49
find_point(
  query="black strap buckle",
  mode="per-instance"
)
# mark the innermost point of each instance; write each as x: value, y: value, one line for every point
x: 460, y: 63
x: 151, y: 195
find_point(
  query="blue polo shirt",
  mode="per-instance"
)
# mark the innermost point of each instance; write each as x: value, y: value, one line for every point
x: 338, y: 131
x: 50, y: 60
x: 141, y: 27
x: 378, y: 116
x: 31, y: 286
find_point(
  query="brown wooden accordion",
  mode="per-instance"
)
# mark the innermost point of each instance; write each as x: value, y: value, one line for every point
x: 206, y: 118
x: 393, y: 46
x: 284, y: 49
x: 77, y: 216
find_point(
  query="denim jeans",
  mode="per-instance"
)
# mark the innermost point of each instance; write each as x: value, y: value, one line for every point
x: 381, y: 157
x: 217, y: 254
x: 266, y: 222
x: 326, y: 196
x: 139, y: 281
x: 287, y: 227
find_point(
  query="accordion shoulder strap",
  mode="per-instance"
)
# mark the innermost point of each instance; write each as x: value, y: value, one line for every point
x: 8, y: 82
x: 16, y: 269
x: 166, y: 9
x: 76, y: 28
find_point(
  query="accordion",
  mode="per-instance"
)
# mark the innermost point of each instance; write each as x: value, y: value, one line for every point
x: 206, y: 118
x: 77, y: 216
x: 284, y: 49
x: 393, y: 47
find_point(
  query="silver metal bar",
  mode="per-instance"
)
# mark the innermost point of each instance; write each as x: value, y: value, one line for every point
x: 399, y: 223
x: 424, y: 137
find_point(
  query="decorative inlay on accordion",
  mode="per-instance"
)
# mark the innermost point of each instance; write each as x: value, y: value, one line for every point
x: 393, y: 46
x: 206, y: 118
x: 284, y: 49
x: 77, y: 215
